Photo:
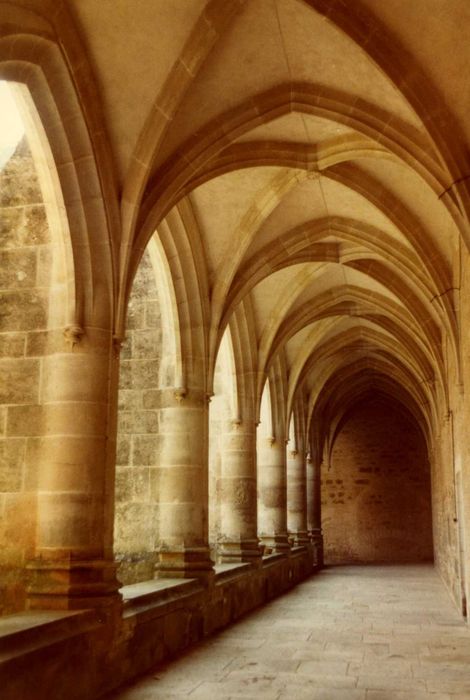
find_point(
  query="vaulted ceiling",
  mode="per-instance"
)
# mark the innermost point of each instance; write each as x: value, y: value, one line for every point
x: 321, y: 149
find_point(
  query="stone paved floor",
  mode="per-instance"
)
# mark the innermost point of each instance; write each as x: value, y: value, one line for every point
x: 349, y: 633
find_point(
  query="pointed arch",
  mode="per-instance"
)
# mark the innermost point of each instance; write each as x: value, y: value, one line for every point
x: 62, y: 88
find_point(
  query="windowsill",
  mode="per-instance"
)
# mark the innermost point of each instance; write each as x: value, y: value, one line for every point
x: 34, y: 628
x: 30, y: 631
x: 269, y: 559
x: 155, y: 592
x: 160, y: 591
x: 299, y: 549
x: 152, y: 586
x: 227, y: 571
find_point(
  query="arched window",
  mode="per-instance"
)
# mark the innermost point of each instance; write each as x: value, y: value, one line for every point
x: 222, y: 411
x: 149, y: 364
x: 36, y: 290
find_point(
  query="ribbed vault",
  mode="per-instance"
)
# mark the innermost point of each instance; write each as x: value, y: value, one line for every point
x: 313, y: 210
x: 259, y: 212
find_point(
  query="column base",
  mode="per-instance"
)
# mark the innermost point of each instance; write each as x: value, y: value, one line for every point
x: 276, y: 544
x: 316, y: 538
x: 232, y: 551
x: 185, y: 563
x: 72, y: 584
x: 301, y: 538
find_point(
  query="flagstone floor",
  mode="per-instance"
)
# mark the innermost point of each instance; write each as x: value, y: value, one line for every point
x: 348, y: 633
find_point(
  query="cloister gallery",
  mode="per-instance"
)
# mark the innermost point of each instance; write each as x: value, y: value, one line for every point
x: 234, y: 316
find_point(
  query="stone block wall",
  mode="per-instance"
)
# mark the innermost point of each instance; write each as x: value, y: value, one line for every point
x: 376, y: 493
x: 445, y: 511
x: 219, y: 424
x: 25, y: 277
x: 138, y: 445
x: 216, y: 427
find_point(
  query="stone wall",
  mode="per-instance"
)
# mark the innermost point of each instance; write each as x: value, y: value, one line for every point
x: 25, y: 277
x: 445, y: 509
x: 376, y: 493
x: 136, y: 511
x: 216, y: 427
x: 457, y: 566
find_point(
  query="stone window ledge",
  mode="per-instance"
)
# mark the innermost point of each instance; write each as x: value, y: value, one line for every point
x: 36, y: 628
x: 26, y: 631
x: 162, y: 591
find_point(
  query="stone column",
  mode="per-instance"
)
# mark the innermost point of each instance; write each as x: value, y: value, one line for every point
x: 74, y: 450
x: 183, y: 486
x: 314, y: 527
x: 272, y: 497
x: 237, y: 491
x: 310, y: 486
x: 297, y: 497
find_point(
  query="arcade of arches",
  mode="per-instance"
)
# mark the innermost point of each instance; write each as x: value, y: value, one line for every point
x: 234, y: 315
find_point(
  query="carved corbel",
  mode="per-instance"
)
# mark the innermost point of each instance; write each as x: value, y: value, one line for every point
x: 180, y: 393
x: 73, y: 335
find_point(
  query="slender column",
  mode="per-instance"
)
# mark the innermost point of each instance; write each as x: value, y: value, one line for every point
x: 74, y: 449
x: 315, y: 531
x: 237, y: 490
x: 310, y: 487
x: 297, y: 497
x: 272, y: 501
x: 183, y: 486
